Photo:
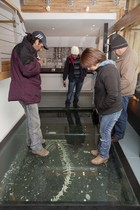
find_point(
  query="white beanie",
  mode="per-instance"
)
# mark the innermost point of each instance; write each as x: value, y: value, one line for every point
x: 75, y: 50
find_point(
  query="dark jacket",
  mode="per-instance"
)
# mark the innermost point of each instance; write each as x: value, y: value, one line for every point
x: 25, y: 74
x: 69, y: 69
x: 107, y: 90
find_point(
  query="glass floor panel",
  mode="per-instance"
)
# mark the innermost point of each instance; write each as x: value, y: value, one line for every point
x: 66, y: 176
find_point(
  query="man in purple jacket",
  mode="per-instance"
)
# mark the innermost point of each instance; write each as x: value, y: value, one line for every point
x: 25, y: 86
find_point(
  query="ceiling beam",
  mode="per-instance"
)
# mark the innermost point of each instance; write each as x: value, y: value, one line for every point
x: 131, y: 19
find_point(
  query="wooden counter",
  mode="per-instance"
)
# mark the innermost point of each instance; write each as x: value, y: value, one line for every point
x: 52, y: 81
x: 55, y: 71
x: 51, y: 70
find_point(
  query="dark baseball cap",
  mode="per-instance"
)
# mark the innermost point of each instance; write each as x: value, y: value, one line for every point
x: 42, y: 37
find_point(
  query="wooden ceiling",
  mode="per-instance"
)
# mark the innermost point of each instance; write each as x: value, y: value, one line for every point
x: 129, y: 21
x: 78, y: 6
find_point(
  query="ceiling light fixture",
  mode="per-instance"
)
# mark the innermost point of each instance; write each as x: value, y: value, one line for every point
x: 24, y: 2
x: 116, y: 2
x: 70, y: 2
x: 48, y: 2
x: 87, y: 9
x: 92, y: 2
x: 48, y: 8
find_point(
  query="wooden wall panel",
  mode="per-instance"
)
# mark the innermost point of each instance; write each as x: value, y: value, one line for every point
x: 11, y: 34
x: 131, y: 19
x: 5, y: 65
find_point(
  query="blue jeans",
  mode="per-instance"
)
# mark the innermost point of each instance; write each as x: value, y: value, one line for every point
x: 106, y: 124
x: 77, y: 84
x: 33, y: 130
x: 120, y: 125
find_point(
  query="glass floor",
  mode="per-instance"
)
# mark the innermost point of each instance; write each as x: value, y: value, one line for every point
x: 66, y: 176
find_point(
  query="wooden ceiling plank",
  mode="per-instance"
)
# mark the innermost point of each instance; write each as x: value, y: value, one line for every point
x: 101, y: 6
x: 129, y: 19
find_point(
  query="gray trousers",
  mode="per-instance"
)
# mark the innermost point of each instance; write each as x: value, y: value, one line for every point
x: 33, y: 131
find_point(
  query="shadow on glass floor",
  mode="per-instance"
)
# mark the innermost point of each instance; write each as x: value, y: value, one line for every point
x: 66, y: 176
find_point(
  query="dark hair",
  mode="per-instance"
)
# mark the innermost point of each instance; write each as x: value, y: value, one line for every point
x: 32, y: 39
x: 91, y: 56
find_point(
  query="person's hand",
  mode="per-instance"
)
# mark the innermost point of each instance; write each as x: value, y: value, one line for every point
x: 40, y: 60
x: 64, y: 83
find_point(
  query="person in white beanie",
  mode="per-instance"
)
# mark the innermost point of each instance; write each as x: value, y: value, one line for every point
x: 76, y: 75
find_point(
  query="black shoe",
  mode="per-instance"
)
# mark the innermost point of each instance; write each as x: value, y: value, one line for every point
x: 67, y: 107
x: 76, y: 106
x: 29, y: 148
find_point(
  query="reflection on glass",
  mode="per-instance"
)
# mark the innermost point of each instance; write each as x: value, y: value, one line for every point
x: 75, y: 134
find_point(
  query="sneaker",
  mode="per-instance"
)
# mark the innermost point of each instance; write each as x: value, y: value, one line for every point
x: 43, y: 152
x: 99, y: 160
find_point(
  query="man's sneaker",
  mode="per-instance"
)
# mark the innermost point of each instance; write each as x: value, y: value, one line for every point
x: 43, y: 152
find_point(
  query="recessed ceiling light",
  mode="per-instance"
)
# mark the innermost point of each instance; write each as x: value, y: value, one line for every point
x: 87, y: 9
x: 48, y: 8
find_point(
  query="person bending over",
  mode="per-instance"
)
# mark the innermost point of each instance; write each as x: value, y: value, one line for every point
x: 107, y: 98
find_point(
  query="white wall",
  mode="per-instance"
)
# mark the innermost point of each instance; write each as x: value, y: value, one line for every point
x: 54, y: 83
x: 70, y: 41
x: 16, y: 3
x: 10, y: 112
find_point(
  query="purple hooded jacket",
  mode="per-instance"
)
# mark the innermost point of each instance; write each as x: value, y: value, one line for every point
x: 25, y: 74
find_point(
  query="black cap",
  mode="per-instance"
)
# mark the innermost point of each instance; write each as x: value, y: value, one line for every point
x: 117, y: 42
x: 42, y: 37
